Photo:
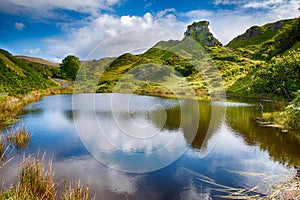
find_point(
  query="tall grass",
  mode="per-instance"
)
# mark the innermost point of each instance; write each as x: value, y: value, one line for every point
x: 36, y: 181
x: 77, y: 191
x: 19, y: 137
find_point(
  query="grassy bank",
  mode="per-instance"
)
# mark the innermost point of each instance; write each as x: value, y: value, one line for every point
x: 12, y: 106
x: 288, y: 118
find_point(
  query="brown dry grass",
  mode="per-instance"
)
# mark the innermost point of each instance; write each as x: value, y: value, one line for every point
x: 12, y: 106
x: 36, y: 181
x: 20, y: 137
x: 77, y: 191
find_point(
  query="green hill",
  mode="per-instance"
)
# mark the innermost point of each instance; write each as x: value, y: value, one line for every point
x: 18, y: 77
x: 199, y: 64
x: 40, y: 61
x: 269, y: 40
x: 196, y: 65
x: 277, y: 47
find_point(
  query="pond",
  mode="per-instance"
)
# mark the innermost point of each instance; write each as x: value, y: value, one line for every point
x: 141, y: 147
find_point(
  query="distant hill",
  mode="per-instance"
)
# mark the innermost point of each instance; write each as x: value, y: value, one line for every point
x: 190, y: 63
x: 41, y: 61
x: 16, y: 76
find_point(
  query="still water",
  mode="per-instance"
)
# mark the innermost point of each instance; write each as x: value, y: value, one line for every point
x: 139, y: 147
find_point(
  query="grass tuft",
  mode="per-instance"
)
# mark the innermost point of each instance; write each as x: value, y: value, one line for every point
x: 20, y: 137
x: 76, y: 191
x: 35, y: 180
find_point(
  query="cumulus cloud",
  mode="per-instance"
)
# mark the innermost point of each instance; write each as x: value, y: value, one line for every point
x: 80, y: 36
x: 197, y: 14
x: 19, y: 25
x: 80, y: 41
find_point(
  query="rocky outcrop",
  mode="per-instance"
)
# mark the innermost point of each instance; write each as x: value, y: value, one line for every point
x: 275, y: 26
x: 251, y: 32
x: 199, y: 31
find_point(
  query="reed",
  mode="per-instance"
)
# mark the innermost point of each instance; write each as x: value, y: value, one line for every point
x: 36, y: 181
x: 286, y: 190
x: 20, y: 137
x: 289, y: 189
x: 77, y: 191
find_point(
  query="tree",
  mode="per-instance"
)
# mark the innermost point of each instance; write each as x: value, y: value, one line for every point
x: 70, y: 66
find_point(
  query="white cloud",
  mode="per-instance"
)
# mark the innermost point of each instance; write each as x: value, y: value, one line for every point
x: 81, y: 36
x: 197, y: 14
x: 80, y: 41
x: 227, y: 24
x: 46, y: 9
x: 229, y: 2
x: 19, y: 25
x: 32, y: 51
x: 263, y: 4
x: 164, y: 12
x: 149, y: 3
x: 256, y: 4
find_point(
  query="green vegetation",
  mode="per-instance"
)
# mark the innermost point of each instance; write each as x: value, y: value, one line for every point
x: 289, y: 117
x: 16, y: 77
x: 69, y: 67
x: 278, y: 77
x: 269, y: 40
x: 40, y: 61
x: 243, y: 64
x: 261, y: 63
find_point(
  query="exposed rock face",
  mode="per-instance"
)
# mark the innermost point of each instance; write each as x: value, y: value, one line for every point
x: 199, y: 31
x: 253, y: 31
x: 276, y: 26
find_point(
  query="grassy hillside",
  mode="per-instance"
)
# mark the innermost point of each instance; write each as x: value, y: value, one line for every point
x: 196, y: 64
x: 269, y: 40
x: 17, y: 77
x: 40, y: 61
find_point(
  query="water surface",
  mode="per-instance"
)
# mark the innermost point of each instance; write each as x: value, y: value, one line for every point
x: 138, y: 147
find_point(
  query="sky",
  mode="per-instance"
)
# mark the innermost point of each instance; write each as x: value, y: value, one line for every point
x: 53, y: 29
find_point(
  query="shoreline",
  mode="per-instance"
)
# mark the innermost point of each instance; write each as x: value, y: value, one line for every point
x: 12, y: 106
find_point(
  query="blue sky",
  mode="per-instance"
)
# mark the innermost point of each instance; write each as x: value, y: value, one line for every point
x: 53, y: 29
